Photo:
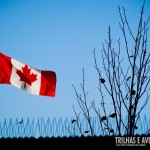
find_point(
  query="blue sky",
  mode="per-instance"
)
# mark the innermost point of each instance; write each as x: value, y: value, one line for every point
x: 57, y: 35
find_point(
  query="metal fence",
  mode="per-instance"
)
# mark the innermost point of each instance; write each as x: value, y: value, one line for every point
x: 59, y: 127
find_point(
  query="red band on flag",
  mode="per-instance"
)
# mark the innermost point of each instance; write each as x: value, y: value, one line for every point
x: 32, y: 80
x: 5, y: 69
x: 48, y: 82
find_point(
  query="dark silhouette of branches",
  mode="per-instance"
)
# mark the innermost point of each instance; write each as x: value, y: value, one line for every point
x: 83, y: 104
x: 139, y: 64
x: 77, y: 120
x: 136, y: 78
x: 126, y: 87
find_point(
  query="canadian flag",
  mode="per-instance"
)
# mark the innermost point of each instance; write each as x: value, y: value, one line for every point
x: 34, y: 81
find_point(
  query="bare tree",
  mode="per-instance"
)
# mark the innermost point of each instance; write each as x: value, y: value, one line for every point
x: 125, y: 87
x: 83, y: 104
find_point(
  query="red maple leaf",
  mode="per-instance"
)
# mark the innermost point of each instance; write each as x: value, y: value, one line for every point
x: 25, y: 75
